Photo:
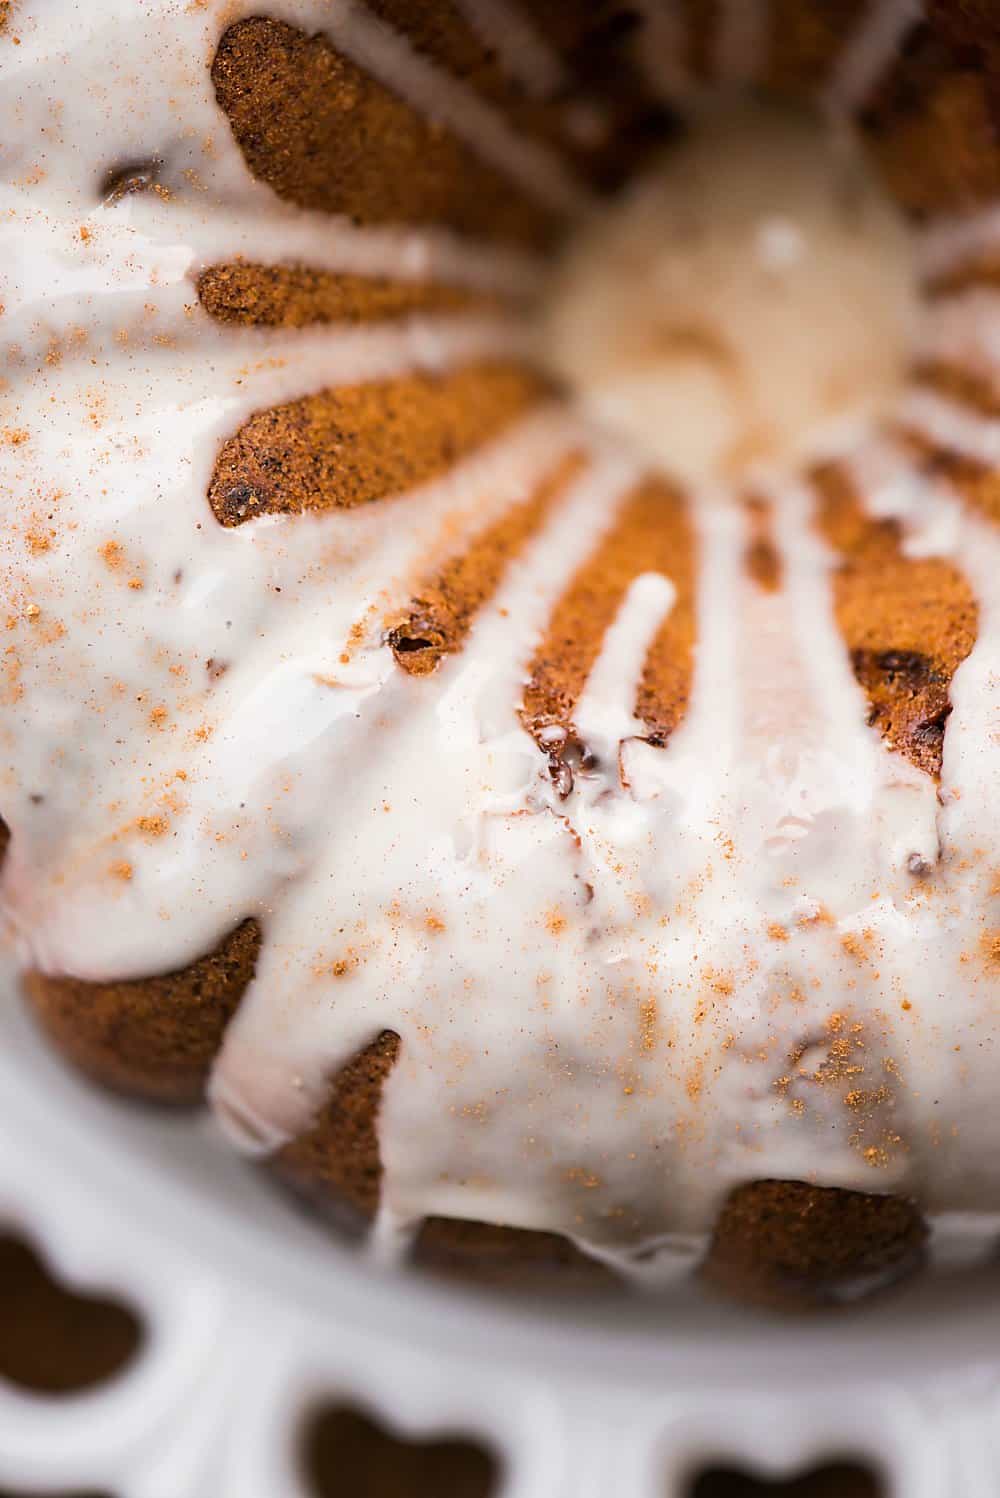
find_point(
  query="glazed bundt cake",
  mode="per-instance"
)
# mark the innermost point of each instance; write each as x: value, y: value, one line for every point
x: 502, y: 666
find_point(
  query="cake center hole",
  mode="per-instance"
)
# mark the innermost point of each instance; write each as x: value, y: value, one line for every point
x: 747, y: 304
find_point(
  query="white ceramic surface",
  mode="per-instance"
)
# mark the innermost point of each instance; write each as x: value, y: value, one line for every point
x: 254, y: 1311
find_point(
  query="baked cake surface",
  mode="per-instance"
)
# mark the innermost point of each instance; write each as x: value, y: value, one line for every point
x: 506, y: 836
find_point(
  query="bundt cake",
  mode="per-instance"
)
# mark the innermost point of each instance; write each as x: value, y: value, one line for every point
x: 502, y: 571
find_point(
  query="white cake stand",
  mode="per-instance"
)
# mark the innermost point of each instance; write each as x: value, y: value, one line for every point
x: 253, y: 1312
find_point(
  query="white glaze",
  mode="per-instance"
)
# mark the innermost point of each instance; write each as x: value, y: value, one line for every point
x: 600, y: 998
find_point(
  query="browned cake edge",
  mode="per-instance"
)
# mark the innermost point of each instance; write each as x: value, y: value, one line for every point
x: 152, y: 1038
x: 788, y: 1245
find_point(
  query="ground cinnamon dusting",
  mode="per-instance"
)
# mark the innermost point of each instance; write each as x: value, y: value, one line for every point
x: 295, y: 296
x: 359, y: 443
x: 444, y: 606
x: 908, y: 623
x: 326, y: 135
x: 991, y: 950
x: 653, y: 534
x: 648, y: 1024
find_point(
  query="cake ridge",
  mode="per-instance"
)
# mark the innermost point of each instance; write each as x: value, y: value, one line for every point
x: 387, y: 54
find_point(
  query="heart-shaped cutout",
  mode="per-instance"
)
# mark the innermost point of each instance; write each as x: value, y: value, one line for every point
x: 840, y: 1479
x: 345, y: 1451
x: 57, y: 1340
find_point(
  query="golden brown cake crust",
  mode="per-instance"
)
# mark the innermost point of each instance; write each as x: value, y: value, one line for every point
x: 791, y: 1246
x: 632, y: 123
x: 654, y: 533
x: 932, y: 125
x: 441, y: 613
x: 508, y: 1258
x: 326, y: 135
x: 339, y: 1155
x: 152, y: 1038
x: 439, y: 29
x: 908, y: 623
x: 360, y: 443
x: 295, y: 296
